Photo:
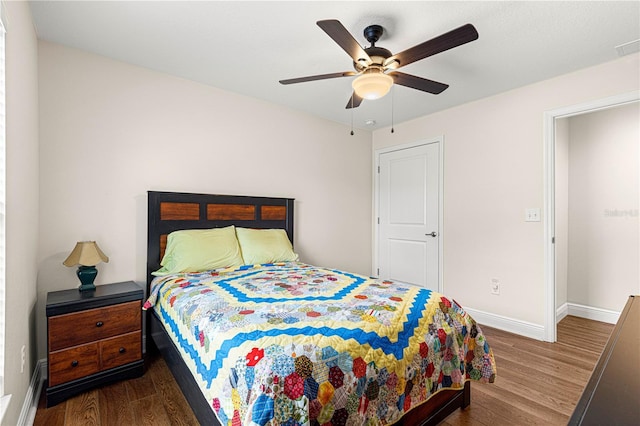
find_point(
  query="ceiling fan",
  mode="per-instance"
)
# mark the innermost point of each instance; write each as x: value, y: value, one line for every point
x: 376, y: 66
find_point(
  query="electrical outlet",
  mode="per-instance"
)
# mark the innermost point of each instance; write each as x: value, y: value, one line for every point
x: 495, y: 286
x: 23, y: 356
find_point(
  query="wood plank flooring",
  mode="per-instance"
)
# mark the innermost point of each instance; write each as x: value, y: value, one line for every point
x: 153, y: 399
x: 538, y: 384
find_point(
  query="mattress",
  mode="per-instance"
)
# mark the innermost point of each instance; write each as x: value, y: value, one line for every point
x: 291, y: 343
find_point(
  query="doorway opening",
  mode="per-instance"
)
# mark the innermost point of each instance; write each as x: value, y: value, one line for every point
x: 556, y: 224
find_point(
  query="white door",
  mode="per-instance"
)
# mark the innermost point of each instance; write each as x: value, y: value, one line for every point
x: 408, y: 233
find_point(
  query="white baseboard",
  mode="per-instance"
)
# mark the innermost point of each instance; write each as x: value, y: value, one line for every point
x: 562, y: 312
x: 30, y: 404
x: 589, y: 312
x: 511, y: 325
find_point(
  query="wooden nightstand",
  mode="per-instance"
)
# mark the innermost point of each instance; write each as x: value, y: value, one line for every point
x: 93, y: 338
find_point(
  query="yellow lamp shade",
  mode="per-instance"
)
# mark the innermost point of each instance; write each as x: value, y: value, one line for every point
x: 86, y: 253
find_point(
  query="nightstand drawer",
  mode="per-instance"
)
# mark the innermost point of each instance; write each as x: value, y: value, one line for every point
x: 73, y: 363
x: 121, y: 350
x: 93, y: 324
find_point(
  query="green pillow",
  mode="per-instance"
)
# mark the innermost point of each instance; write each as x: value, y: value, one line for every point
x: 265, y: 246
x: 197, y: 250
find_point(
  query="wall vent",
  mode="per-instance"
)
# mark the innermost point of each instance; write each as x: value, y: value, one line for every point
x: 628, y: 48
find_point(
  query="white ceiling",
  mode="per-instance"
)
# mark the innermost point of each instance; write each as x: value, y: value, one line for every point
x: 246, y: 47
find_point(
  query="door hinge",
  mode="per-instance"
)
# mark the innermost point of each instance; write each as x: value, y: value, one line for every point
x: 378, y: 169
x: 553, y: 240
x: 378, y: 272
x: 378, y: 221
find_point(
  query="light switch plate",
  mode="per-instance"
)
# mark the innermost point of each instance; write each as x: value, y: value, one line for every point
x: 532, y: 215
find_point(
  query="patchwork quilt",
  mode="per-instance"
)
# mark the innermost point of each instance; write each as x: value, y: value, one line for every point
x: 294, y: 344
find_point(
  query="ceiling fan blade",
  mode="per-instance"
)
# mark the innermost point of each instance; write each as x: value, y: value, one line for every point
x: 354, y: 101
x: 418, y: 83
x: 340, y: 35
x: 318, y: 77
x: 446, y: 41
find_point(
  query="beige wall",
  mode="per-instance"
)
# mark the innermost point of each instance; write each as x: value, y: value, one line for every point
x: 22, y: 202
x: 493, y: 171
x: 111, y: 131
x: 603, y: 202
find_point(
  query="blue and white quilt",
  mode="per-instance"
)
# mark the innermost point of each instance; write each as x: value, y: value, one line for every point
x: 294, y: 344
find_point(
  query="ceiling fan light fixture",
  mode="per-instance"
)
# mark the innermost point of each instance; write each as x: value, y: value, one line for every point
x: 372, y: 84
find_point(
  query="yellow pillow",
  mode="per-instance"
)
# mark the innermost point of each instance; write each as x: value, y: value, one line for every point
x: 197, y: 250
x: 265, y: 246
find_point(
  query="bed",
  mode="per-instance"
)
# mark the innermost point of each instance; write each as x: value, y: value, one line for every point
x: 249, y: 367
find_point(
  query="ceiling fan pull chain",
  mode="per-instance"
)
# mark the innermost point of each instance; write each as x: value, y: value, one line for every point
x: 393, y: 91
x: 352, y: 114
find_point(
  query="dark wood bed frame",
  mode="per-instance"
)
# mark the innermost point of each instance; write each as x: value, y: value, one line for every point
x: 171, y: 211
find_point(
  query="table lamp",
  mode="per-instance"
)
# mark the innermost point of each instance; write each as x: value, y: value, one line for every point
x: 87, y: 254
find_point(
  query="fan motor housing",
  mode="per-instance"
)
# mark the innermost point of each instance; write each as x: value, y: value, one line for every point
x: 377, y: 54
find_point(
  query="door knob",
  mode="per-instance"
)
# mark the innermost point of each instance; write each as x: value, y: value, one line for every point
x: 433, y: 234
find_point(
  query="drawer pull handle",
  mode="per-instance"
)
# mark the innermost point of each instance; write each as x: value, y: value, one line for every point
x: 74, y: 363
x: 122, y: 350
x: 99, y: 324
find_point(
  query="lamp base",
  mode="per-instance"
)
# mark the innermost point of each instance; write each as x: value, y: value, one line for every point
x: 87, y: 274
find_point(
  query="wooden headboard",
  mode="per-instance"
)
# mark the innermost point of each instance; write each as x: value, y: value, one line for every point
x: 173, y: 211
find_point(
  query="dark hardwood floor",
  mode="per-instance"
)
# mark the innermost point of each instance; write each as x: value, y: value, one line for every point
x: 538, y: 384
x: 153, y: 399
